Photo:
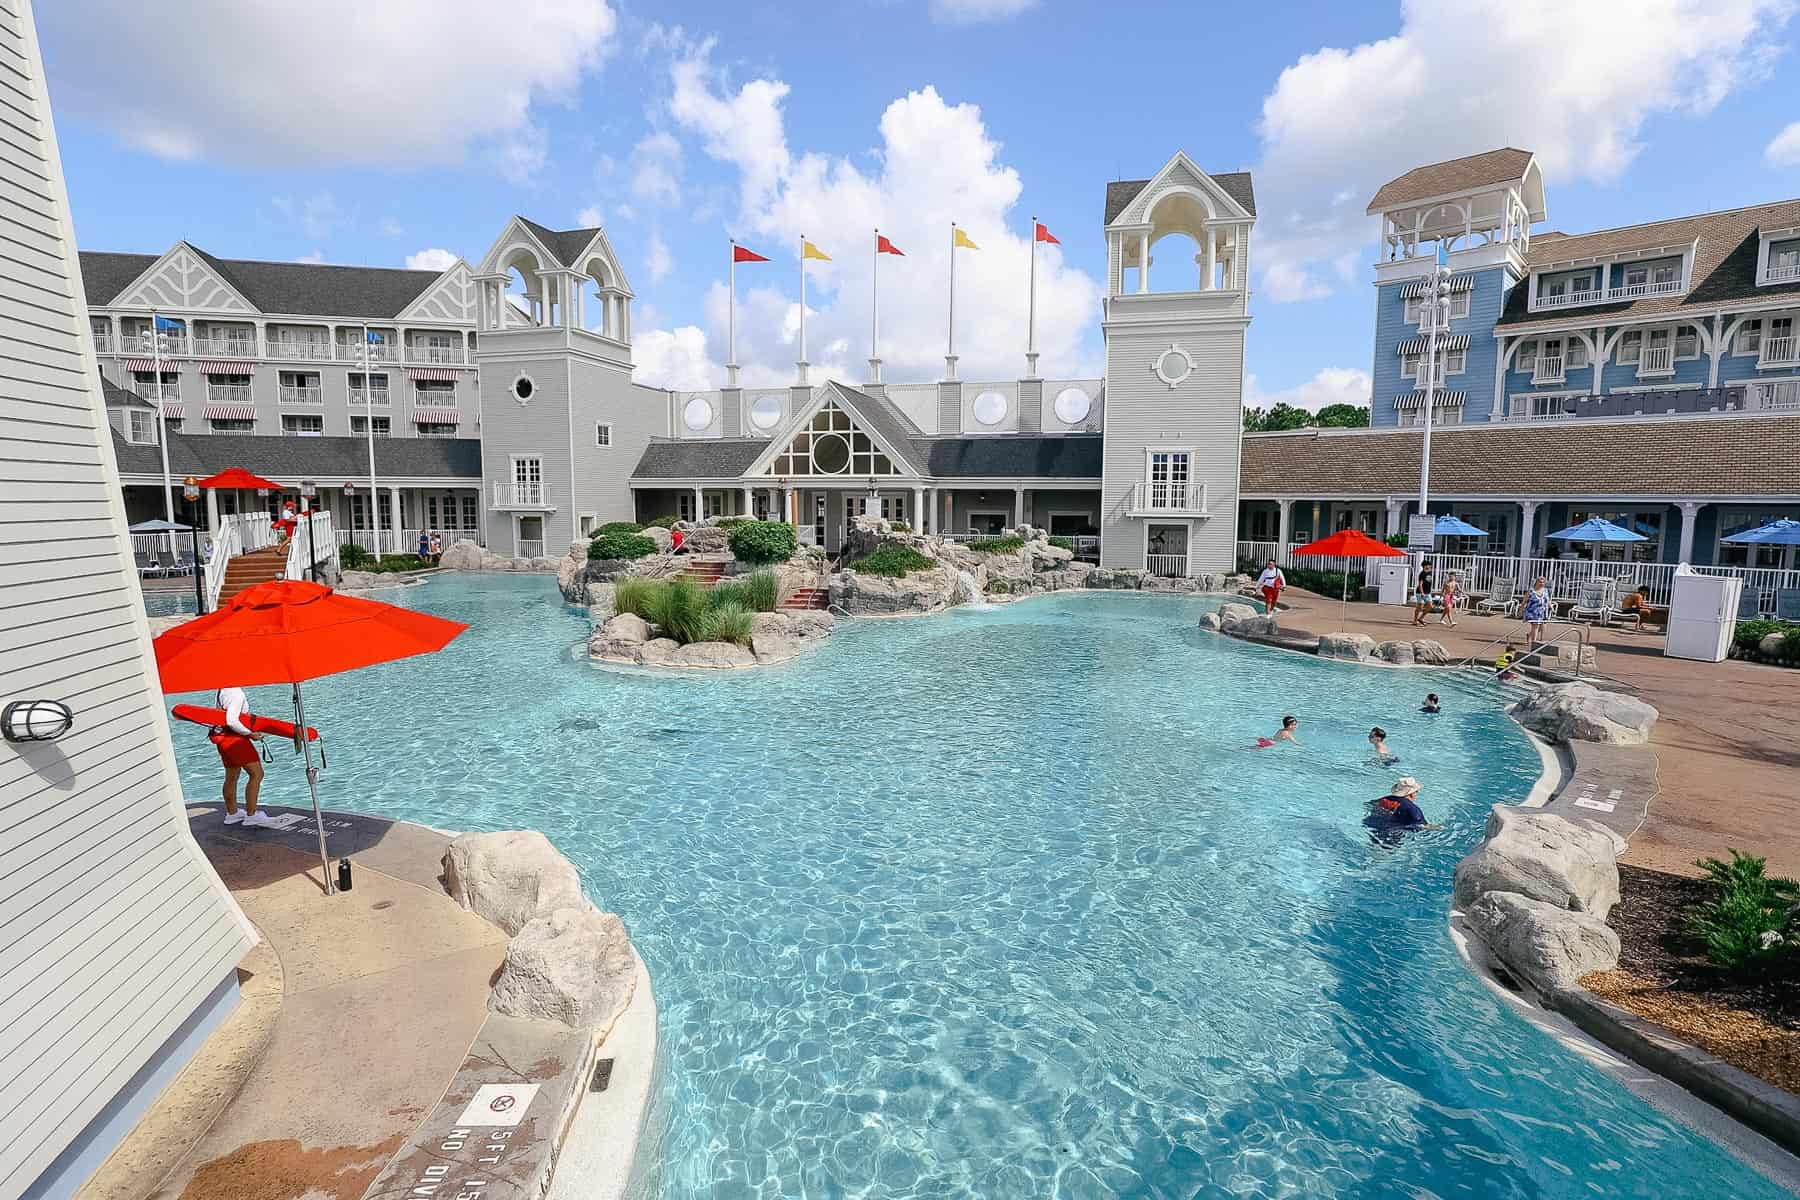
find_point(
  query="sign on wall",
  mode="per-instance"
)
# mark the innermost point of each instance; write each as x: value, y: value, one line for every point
x: 1421, y: 533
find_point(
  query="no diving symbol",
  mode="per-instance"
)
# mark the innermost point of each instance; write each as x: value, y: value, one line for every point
x: 498, y: 1104
x: 501, y: 1104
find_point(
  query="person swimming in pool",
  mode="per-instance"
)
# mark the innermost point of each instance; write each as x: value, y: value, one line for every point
x: 1289, y: 723
x: 1383, y: 756
x: 1431, y: 703
x: 1391, y: 816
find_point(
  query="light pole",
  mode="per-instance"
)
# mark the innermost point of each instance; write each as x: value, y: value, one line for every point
x: 309, y: 490
x: 1436, y: 317
x: 190, y: 491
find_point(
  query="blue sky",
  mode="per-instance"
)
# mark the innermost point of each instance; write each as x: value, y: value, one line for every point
x: 375, y: 136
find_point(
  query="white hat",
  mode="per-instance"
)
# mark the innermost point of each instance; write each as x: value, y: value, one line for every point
x: 1406, y: 785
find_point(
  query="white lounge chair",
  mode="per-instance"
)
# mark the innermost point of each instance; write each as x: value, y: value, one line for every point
x: 1504, y: 599
x: 1599, y: 601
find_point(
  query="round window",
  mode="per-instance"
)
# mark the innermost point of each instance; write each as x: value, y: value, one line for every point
x: 522, y: 388
x: 1072, y: 405
x: 831, y: 454
x: 697, y: 415
x: 765, y: 412
x: 990, y: 408
x: 1173, y: 365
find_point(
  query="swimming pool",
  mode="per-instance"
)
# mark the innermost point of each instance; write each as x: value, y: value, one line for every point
x: 1001, y: 904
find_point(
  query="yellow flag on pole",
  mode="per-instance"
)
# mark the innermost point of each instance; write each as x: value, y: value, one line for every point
x: 962, y: 239
x: 808, y: 250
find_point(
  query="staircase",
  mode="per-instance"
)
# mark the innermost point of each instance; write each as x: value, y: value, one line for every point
x: 804, y: 599
x: 704, y: 571
x: 255, y: 566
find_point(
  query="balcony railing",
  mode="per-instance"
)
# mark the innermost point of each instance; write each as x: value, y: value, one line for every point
x: 1777, y: 396
x: 1676, y: 402
x: 519, y: 495
x: 435, y: 398
x: 378, y: 352
x: 435, y: 354
x: 228, y: 393
x: 1779, y: 352
x: 102, y: 341
x: 1783, y: 274
x: 1168, y: 566
x: 1657, y: 360
x: 168, y: 344
x: 379, y: 398
x: 319, y: 351
x: 1547, y: 369
x: 302, y: 395
x: 226, y: 347
x: 1624, y: 291
x: 1569, y: 299
x: 1158, y: 498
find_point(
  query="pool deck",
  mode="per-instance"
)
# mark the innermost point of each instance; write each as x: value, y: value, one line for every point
x: 1724, y: 747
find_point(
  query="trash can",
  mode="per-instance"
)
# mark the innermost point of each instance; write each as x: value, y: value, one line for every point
x: 1392, y: 582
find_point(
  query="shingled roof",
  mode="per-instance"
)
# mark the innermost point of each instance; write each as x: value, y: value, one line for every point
x: 1725, y: 456
x: 1456, y: 175
x: 294, y: 289
x: 567, y: 244
x: 1235, y: 184
x: 329, y: 460
x: 1726, y: 249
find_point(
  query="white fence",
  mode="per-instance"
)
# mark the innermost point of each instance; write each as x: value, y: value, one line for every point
x: 1479, y: 573
x: 313, y: 530
x: 1171, y: 566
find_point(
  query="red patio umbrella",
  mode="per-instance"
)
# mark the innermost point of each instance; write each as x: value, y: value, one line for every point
x: 1350, y: 543
x: 237, y: 477
x: 290, y: 631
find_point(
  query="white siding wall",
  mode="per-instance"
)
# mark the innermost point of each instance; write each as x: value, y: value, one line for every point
x: 113, y: 928
x: 539, y: 426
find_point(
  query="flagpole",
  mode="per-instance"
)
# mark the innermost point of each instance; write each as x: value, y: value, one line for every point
x: 875, y: 309
x: 731, y: 365
x: 162, y: 432
x: 369, y: 428
x: 950, y: 341
x: 1031, y: 311
x: 802, y: 363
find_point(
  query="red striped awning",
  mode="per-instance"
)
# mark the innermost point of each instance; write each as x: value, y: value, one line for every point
x: 226, y: 368
x: 433, y: 374
x: 436, y: 416
x: 171, y: 410
x: 229, y: 412
x: 149, y: 364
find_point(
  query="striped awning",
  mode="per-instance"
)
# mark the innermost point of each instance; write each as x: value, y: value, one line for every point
x: 229, y: 412
x: 149, y: 364
x: 1418, y: 287
x: 436, y: 416
x: 433, y: 374
x: 171, y: 411
x: 1441, y: 400
x: 1457, y: 341
x: 217, y: 367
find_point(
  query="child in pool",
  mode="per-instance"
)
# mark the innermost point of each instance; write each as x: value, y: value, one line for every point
x: 1431, y: 703
x: 1503, y: 663
x: 1284, y: 734
x: 1383, y: 756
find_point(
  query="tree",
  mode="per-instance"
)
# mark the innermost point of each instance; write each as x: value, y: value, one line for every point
x: 1343, y: 416
x: 1284, y: 416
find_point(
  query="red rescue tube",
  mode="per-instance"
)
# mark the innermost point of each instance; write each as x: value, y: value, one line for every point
x: 216, y: 716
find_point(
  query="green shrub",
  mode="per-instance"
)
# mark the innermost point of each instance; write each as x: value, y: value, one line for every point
x: 1325, y: 583
x: 1746, y: 641
x: 1012, y: 543
x: 679, y: 606
x: 353, y: 557
x: 762, y: 541
x: 902, y: 527
x: 397, y: 562
x: 1748, y: 924
x: 729, y: 622
x: 756, y: 593
x: 894, y: 562
x: 617, y: 527
x: 1063, y: 543
x: 636, y: 596
x: 730, y: 522
x: 620, y: 545
x: 667, y: 522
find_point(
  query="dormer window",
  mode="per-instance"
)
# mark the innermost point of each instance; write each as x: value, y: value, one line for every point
x: 1782, y: 261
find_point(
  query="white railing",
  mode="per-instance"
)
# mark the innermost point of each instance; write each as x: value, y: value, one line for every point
x: 435, y: 354
x: 228, y: 393
x: 1781, y: 274
x: 1779, y: 351
x: 1169, y: 566
x: 230, y: 347
x: 302, y: 395
x: 1547, y: 369
x: 1569, y: 299
x: 519, y: 495
x: 1780, y: 395
x: 1636, y: 291
x: 142, y: 343
x: 295, y: 348
x: 377, y: 398
x: 378, y: 352
x: 225, y: 547
x: 434, y: 398
x: 531, y: 547
x: 311, y: 530
x: 1657, y: 360
x: 169, y: 392
x: 1156, y: 497
x: 398, y: 541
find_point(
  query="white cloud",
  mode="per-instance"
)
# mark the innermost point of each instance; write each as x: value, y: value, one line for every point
x: 1339, y: 122
x: 1332, y: 385
x: 657, y: 258
x: 675, y: 358
x: 656, y: 169
x: 972, y: 12
x: 935, y: 163
x: 1784, y: 149
x: 401, y: 83
x: 431, y: 259
x: 589, y: 217
x: 318, y: 216
x: 391, y: 227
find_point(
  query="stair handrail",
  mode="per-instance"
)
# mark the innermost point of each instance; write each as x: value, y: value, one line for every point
x: 226, y: 546
x: 308, y: 530
x: 1578, y: 632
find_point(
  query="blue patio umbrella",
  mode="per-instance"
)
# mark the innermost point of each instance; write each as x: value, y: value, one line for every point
x: 1449, y: 526
x: 1782, y: 532
x: 159, y: 526
x: 1597, y: 530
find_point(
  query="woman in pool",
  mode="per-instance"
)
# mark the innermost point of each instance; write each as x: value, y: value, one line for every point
x: 1383, y: 756
x: 1284, y: 734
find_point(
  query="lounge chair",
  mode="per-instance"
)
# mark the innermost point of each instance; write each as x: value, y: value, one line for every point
x: 1599, y: 598
x: 1503, y: 599
x: 1749, y: 604
x: 1787, y: 604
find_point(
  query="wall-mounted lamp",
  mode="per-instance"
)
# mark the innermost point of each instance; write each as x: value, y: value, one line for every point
x: 35, y: 720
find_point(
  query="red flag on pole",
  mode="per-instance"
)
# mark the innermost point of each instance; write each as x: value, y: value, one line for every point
x: 883, y: 246
x: 743, y: 254
x: 1044, y: 235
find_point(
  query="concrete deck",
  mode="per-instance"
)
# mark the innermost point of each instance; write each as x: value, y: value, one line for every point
x: 1727, y: 761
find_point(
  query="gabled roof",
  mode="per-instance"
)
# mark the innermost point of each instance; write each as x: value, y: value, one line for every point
x: 329, y: 460
x: 566, y: 245
x: 1726, y: 246
x: 1489, y: 168
x: 295, y: 289
x: 121, y: 397
x: 1122, y: 192
x: 884, y: 421
x: 698, y: 458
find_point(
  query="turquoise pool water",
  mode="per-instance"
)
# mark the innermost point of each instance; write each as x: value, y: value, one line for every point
x: 1001, y: 904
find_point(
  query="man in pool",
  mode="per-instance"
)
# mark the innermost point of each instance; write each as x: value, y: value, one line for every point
x: 1378, y: 741
x: 1395, y: 813
x: 1289, y: 723
x: 1431, y: 704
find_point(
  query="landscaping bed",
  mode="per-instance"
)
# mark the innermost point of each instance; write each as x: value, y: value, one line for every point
x: 1750, y: 1021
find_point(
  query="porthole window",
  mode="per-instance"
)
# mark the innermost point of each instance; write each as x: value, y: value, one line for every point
x: 697, y: 414
x: 522, y: 388
x: 831, y: 454
x: 1173, y: 365
x: 765, y: 412
x: 990, y: 408
x: 1072, y: 405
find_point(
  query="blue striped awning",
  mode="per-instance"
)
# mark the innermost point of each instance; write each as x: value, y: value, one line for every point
x: 1457, y: 341
x: 1418, y: 287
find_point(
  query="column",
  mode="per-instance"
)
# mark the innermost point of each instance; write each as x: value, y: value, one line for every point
x: 1689, y: 510
x: 949, y: 510
x: 787, y: 506
x: 699, y: 504
x: 1283, y: 528
x: 1392, y: 525
x: 1527, y: 531
x: 212, y: 511
x: 1143, y: 262
x: 1209, y: 258
x: 1018, y: 506
x: 918, y: 510
x: 399, y: 546
x: 749, y: 502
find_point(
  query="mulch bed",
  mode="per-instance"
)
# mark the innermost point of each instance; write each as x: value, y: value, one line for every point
x: 1664, y: 976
